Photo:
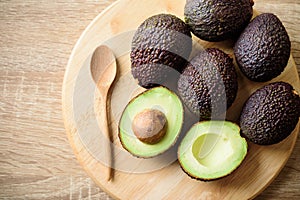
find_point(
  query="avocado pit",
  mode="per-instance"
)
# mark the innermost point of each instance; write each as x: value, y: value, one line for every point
x: 150, y: 126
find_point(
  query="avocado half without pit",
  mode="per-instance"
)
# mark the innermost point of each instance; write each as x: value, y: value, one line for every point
x: 211, y: 150
x: 151, y: 122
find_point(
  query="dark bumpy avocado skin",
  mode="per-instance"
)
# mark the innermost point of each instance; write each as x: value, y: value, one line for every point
x: 263, y: 49
x: 161, y: 44
x: 270, y: 114
x: 217, y: 20
x: 207, y: 82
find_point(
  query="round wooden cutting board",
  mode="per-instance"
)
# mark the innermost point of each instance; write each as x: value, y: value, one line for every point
x: 161, y: 177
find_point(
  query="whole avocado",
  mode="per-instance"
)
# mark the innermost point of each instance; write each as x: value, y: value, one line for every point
x: 208, y: 85
x: 263, y: 49
x: 270, y: 114
x: 160, y: 48
x: 217, y: 20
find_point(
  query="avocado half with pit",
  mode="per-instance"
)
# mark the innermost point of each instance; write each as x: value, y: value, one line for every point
x: 151, y: 122
x: 211, y: 150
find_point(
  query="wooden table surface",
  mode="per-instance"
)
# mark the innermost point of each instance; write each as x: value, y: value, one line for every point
x: 36, y: 39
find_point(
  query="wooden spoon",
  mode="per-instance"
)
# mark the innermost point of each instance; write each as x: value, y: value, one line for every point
x: 104, y: 69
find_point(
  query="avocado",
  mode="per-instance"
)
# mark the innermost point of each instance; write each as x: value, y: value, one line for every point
x: 158, y: 106
x: 208, y: 85
x: 211, y: 150
x: 263, y: 49
x: 218, y: 20
x: 160, y: 48
x: 270, y: 114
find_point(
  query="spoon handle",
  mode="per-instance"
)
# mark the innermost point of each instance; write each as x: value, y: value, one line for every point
x: 106, y: 132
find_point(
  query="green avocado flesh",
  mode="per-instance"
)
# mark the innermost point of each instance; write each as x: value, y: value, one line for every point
x: 159, y: 98
x: 212, y: 149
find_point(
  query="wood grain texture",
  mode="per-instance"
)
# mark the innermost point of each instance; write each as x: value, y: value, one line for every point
x: 36, y: 39
x: 103, y: 69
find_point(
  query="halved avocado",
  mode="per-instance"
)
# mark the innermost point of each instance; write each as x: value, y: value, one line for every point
x: 158, y: 98
x: 211, y: 150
